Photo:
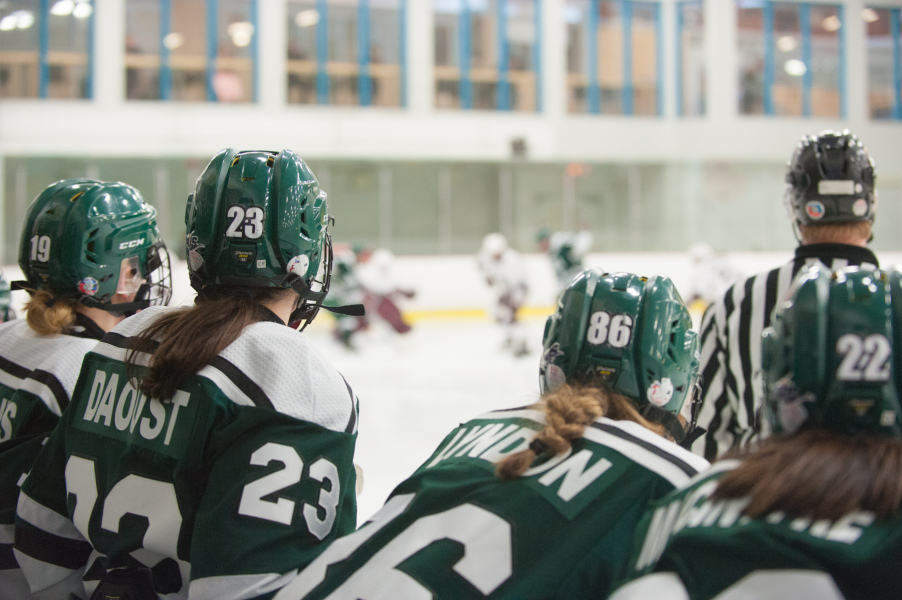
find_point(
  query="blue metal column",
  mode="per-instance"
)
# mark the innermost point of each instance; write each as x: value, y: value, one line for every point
x: 895, y: 16
x: 322, y: 52
x: 537, y: 51
x: 626, y: 17
x: 768, y: 14
x: 659, y: 59
x: 43, y: 46
x: 402, y: 50
x: 255, y: 52
x: 680, y: 25
x: 503, y: 86
x: 466, y: 85
x: 165, y: 68
x: 593, y: 92
x: 841, y: 76
x: 212, y: 45
x: 363, y: 52
x: 89, y: 71
x: 807, y: 77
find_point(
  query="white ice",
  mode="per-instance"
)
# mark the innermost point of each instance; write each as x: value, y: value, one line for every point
x: 416, y: 388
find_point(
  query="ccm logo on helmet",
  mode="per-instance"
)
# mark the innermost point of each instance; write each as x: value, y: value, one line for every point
x: 131, y: 244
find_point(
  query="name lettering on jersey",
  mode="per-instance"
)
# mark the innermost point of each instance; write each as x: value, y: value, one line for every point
x: 696, y: 509
x: 563, y: 476
x: 114, y: 408
x: 8, y: 410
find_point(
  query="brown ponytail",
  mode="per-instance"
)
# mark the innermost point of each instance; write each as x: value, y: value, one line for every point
x: 818, y: 474
x: 184, y: 341
x: 568, y: 411
x: 49, y: 320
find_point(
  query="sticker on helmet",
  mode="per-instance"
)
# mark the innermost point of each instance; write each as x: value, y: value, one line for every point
x: 244, y: 257
x: 860, y: 207
x: 298, y: 265
x: 195, y: 260
x: 834, y: 187
x: 88, y: 286
x: 553, y: 374
x: 815, y: 210
x: 660, y: 392
x: 261, y: 263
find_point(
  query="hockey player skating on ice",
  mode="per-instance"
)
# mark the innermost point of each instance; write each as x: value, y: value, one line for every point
x: 382, y: 290
x: 91, y: 253
x: 505, y: 272
x: 345, y: 289
x: 814, y: 512
x: 566, y: 251
x: 207, y: 450
x: 540, y: 502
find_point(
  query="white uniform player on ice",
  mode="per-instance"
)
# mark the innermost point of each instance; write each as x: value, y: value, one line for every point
x: 505, y: 272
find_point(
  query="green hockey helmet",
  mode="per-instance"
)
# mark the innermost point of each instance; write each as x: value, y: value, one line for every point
x: 88, y: 240
x: 828, y: 357
x: 628, y: 333
x: 258, y: 219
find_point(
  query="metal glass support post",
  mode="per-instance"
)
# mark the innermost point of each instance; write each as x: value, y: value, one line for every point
x: 89, y: 75
x: 503, y: 86
x: 255, y: 51
x: 807, y: 78
x: 322, y: 52
x: 466, y: 84
x: 841, y: 76
x: 593, y: 92
x: 626, y: 94
x: 165, y: 67
x: 43, y: 46
x: 212, y: 45
x: 768, y: 17
x: 364, y: 83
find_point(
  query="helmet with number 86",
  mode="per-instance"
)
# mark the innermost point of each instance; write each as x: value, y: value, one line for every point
x: 258, y: 219
x: 628, y: 333
x: 88, y: 240
x: 828, y: 357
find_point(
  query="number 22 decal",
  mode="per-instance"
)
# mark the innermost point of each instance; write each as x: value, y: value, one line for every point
x: 863, y: 359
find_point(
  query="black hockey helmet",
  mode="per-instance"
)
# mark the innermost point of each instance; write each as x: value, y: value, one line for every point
x: 830, y: 179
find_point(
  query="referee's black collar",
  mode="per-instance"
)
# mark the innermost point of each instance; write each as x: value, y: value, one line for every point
x: 856, y: 255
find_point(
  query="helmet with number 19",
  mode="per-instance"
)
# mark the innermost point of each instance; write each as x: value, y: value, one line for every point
x: 628, y: 333
x: 258, y: 219
x: 829, y: 356
x: 89, y: 240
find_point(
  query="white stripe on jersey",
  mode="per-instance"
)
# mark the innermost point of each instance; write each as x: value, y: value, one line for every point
x: 10, y: 380
x: 43, y: 576
x: 527, y: 413
x: 225, y: 385
x: 42, y: 391
x: 238, y: 587
x: 648, y: 459
x: 46, y: 519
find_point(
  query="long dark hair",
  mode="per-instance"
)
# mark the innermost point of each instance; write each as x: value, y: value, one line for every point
x: 184, y: 341
x: 818, y: 473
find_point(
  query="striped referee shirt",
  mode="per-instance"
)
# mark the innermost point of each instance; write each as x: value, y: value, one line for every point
x: 731, y: 377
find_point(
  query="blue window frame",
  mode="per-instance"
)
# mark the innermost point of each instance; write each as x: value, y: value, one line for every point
x: 884, y: 62
x: 791, y: 58
x: 690, y: 58
x: 347, y: 52
x: 488, y: 54
x: 47, y: 49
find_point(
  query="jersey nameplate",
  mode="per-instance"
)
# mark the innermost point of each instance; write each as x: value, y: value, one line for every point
x: 114, y: 408
x: 562, y: 480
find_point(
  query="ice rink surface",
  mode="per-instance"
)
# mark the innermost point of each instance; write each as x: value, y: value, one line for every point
x: 414, y: 389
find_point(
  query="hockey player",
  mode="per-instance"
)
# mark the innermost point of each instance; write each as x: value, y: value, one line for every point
x: 91, y: 253
x: 566, y: 251
x: 505, y: 273
x: 540, y: 501
x: 831, y: 199
x: 207, y: 450
x: 345, y: 288
x: 7, y: 312
x: 381, y: 290
x: 813, y: 513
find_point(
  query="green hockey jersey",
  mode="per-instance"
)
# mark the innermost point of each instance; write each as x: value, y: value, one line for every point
x: 244, y: 474
x: 692, y: 548
x: 455, y: 531
x: 37, y: 377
